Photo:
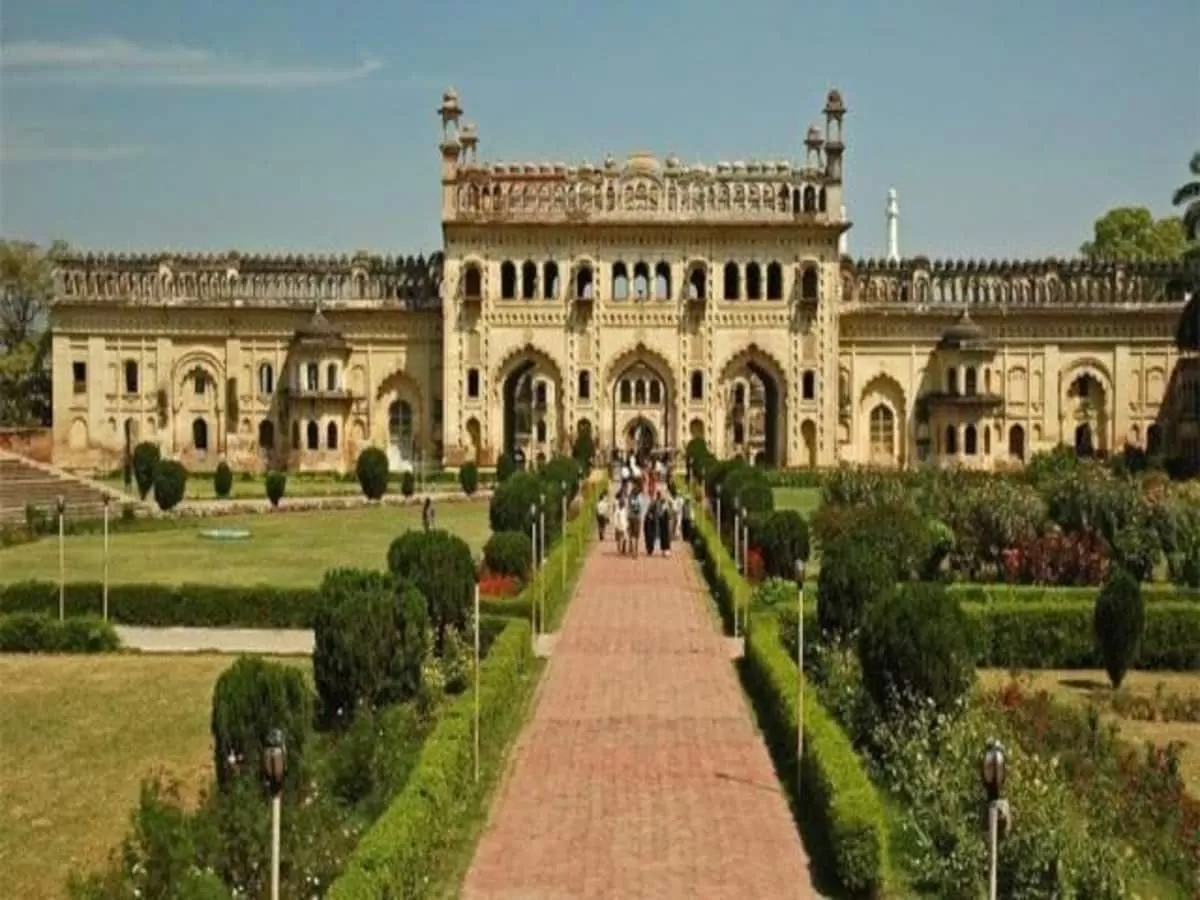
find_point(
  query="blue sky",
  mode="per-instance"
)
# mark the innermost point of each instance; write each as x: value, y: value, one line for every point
x: 1006, y: 127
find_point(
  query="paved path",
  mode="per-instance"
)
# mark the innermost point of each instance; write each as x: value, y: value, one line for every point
x: 216, y: 640
x: 641, y: 773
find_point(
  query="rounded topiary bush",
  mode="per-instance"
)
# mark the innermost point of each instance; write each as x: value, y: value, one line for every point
x: 223, y: 480
x: 251, y: 698
x: 583, y: 449
x: 854, y: 576
x: 1118, y: 622
x: 509, y: 553
x: 440, y: 565
x: 782, y: 538
x: 915, y: 647
x: 146, y: 457
x: 562, y: 470
x: 696, y: 450
x: 170, y: 482
x: 509, y: 508
x: 468, y: 478
x: 372, y: 472
x: 408, y: 484
x: 276, y: 484
x: 505, y: 468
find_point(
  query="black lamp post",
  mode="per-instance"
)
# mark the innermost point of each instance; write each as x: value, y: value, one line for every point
x: 993, y: 771
x: 275, y: 770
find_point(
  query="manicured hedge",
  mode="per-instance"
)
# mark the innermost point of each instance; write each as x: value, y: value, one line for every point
x: 1152, y: 592
x: 27, y: 632
x: 836, y: 788
x: 188, y: 605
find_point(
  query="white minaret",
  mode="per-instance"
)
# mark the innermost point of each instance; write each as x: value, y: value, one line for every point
x: 844, y: 237
x: 893, y: 226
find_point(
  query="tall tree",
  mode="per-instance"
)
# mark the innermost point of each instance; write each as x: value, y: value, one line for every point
x: 26, y: 288
x: 1188, y: 196
x: 1132, y: 233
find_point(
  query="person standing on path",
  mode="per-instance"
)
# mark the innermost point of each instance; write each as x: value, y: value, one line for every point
x: 665, y: 509
x: 635, y: 521
x: 602, y: 515
x: 621, y: 524
x: 650, y: 524
x: 428, y: 515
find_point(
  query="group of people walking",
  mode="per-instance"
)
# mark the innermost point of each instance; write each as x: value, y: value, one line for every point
x: 644, y: 508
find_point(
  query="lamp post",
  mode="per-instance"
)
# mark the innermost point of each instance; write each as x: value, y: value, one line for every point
x: 62, y: 559
x: 800, y: 677
x: 737, y: 566
x: 563, y: 486
x: 477, y: 682
x: 746, y: 565
x: 275, y: 769
x: 993, y: 771
x: 533, y: 543
x: 542, y: 556
x: 104, y: 590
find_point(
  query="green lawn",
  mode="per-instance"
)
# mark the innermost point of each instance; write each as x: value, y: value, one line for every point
x: 291, y: 549
x: 803, y: 499
x: 79, y: 735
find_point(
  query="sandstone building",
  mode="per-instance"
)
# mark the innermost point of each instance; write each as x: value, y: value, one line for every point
x: 645, y: 300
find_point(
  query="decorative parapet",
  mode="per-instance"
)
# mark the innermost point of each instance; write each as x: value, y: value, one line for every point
x: 256, y: 280
x: 921, y: 283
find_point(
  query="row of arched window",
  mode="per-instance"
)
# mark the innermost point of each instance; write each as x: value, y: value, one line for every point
x: 970, y: 381
x: 312, y: 436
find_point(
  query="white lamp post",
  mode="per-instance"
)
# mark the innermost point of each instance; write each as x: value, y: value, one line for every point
x: 275, y: 768
x: 563, y: 532
x: 800, y: 677
x: 62, y: 560
x: 994, y: 771
x: 104, y: 590
x: 477, y: 681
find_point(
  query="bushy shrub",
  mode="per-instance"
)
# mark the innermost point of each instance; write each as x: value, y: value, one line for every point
x: 251, y: 698
x: 854, y: 487
x: 775, y: 592
x: 715, y: 476
x: 1118, y: 623
x: 468, y: 478
x: 559, y: 471
x: 583, y: 450
x: 751, y: 488
x: 440, y: 566
x: 146, y: 457
x: 914, y: 646
x: 511, y: 502
x: 898, y: 533
x: 372, y: 472
x: 506, y: 466
x: 223, y: 480
x: 1058, y: 558
x: 408, y: 484
x: 29, y: 632
x: 854, y: 576
x: 276, y: 484
x: 782, y: 538
x: 509, y: 553
x: 170, y: 482
x: 696, y: 449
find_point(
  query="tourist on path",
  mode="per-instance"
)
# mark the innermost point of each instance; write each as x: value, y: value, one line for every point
x: 650, y: 525
x: 621, y: 523
x: 664, y: 525
x: 602, y: 515
x: 428, y: 515
x: 635, y: 522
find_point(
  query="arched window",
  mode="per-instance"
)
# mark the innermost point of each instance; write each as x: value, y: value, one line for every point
x: 583, y: 283
x: 200, y: 435
x: 655, y: 391
x: 808, y: 284
x: 970, y: 440
x: 970, y: 381
x: 199, y: 382
x: 641, y: 281
x: 549, y: 280
x: 266, y: 379
x: 266, y: 434
x: 331, y: 377
x: 774, y: 281
x: 1016, y: 442
x: 733, y: 281
x: 639, y: 391
x: 739, y: 395
x: 508, y: 280
x: 585, y: 385
x: 331, y: 435
x: 620, y: 281
x: 808, y: 386
x: 313, y: 433
x: 697, y: 385
x: 131, y: 377
x: 952, y: 380
x: 539, y: 395
x: 626, y: 391
x: 472, y: 283
x: 312, y: 377
x: 810, y: 199
x: 753, y: 281
x: 697, y: 282
x: 295, y: 435
x: 951, y: 440
x: 540, y: 430
x: 662, y: 281
x: 987, y: 440
x: 882, y: 425
x: 528, y: 280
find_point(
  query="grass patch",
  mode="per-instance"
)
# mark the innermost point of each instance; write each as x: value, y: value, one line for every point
x: 80, y: 734
x: 802, y: 499
x: 1090, y: 687
x: 291, y: 549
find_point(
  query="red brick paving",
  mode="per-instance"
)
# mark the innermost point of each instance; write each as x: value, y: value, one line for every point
x: 641, y: 773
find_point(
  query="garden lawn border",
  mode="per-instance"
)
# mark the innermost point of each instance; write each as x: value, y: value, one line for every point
x: 837, y: 791
x: 29, y: 632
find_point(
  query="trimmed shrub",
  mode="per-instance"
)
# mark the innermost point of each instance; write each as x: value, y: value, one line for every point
x: 372, y: 472
x: 854, y: 576
x: 170, y: 482
x: 506, y: 467
x: 251, y: 698
x: 915, y: 647
x: 439, y: 564
x: 1118, y: 623
x: 562, y: 470
x: 223, y: 480
x: 509, y: 508
x: 583, y: 450
x: 146, y: 457
x: 408, y: 484
x: 509, y: 553
x: 276, y: 484
x: 782, y: 538
x: 28, y: 632
x: 468, y: 478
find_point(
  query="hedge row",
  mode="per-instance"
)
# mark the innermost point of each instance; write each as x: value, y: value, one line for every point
x: 836, y: 788
x: 27, y: 632
x: 409, y: 850
x: 1035, y: 593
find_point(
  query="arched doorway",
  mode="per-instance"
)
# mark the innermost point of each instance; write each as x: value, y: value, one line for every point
x: 641, y: 437
x: 1086, y: 408
x: 400, y: 436
x: 530, y: 389
x: 754, y: 407
x: 881, y: 436
x: 808, y: 434
x: 641, y: 390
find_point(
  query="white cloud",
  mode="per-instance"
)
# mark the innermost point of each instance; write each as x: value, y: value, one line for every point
x: 114, y: 60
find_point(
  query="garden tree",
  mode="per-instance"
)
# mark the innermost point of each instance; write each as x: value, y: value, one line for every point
x: 146, y: 457
x: 782, y: 538
x: 505, y: 467
x: 695, y: 451
x: 276, y: 484
x: 509, y: 553
x: 222, y: 480
x: 1187, y: 195
x: 1132, y: 233
x: 1118, y: 623
x: 371, y: 469
x: 26, y: 288
x: 408, y: 484
x: 563, y: 469
x: 170, y: 483
x: 511, y: 501
x: 440, y: 566
x: 468, y: 478
x: 583, y: 449
x: 914, y: 647
x: 854, y: 575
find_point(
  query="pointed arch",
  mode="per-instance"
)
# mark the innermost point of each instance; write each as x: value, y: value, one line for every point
x: 765, y: 413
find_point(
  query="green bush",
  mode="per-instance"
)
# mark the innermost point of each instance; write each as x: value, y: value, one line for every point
x: 560, y: 471
x: 251, y: 698
x: 582, y: 450
x: 371, y: 469
x: 439, y: 564
x: 511, y: 502
x: 509, y: 553
x: 222, y: 480
x: 782, y: 538
x: 1118, y: 623
x: 915, y: 647
x: 29, y: 632
x: 506, y: 467
x: 146, y: 457
x: 468, y: 478
x: 170, y: 482
x: 276, y: 484
x: 854, y: 576
x: 408, y: 484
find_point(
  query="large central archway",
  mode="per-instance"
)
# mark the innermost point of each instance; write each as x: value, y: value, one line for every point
x: 530, y: 398
x: 753, y: 387
x: 641, y: 390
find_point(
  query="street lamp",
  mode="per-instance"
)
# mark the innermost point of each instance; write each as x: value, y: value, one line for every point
x: 800, y: 676
x: 534, y: 545
x: 104, y: 592
x: 275, y: 770
x: 563, y: 486
x: 542, y: 541
x: 993, y: 771
x: 62, y: 559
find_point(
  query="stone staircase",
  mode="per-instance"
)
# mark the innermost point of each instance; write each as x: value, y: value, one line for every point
x: 24, y: 481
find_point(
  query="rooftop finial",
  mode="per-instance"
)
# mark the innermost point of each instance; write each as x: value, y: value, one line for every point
x: 893, y: 226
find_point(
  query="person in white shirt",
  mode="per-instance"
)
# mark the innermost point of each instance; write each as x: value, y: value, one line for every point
x: 621, y: 524
x: 602, y: 515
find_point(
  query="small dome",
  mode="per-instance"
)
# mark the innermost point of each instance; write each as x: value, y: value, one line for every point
x: 318, y: 328
x: 834, y: 102
x: 641, y: 162
x: 966, y: 333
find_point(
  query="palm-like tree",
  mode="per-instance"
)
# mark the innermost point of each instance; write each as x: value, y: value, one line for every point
x: 1188, y: 196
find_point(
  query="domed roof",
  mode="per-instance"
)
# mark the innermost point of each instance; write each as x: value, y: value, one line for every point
x: 318, y: 329
x: 963, y: 334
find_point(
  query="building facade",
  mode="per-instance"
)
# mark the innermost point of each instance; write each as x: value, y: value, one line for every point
x: 646, y: 301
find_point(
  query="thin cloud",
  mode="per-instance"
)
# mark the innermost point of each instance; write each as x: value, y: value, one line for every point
x: 114, y: 60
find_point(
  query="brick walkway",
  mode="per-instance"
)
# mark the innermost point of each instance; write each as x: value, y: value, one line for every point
x: 641, y: 773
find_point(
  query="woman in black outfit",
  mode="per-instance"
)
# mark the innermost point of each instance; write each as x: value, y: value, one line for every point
x: 664, y: 525
x: 651, y: 525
